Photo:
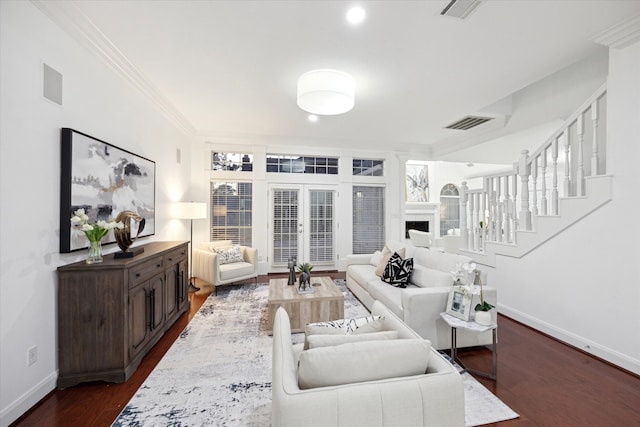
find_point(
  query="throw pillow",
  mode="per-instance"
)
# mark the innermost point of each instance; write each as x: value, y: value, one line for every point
x: 384, y: 260
x: 398, y: 271
x: 229, y: 255
x: 362, y: 361
x: 360, y: 325
x: 425, y: 277
x: 320, y: 340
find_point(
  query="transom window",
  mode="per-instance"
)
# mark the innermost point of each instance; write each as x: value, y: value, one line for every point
x: 302, y: 164
x: 232, y: 162
x: 367, y: 167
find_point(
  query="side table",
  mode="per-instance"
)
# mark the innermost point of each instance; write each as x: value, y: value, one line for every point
x: 472, y: 326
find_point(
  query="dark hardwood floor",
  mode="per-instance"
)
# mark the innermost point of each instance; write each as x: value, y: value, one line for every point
x: 546, y: 382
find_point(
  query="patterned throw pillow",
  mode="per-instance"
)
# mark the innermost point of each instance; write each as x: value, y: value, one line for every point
x: 384, y: 259
x: 361, y: 325
x: 229, y: 255
x: 398, y: 271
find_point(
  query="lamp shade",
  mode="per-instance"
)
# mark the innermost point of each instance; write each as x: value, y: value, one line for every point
x: 326, y: 92
x: 190, y: 210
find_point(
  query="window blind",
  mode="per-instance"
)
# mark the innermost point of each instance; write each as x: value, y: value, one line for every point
x: 368, y: 219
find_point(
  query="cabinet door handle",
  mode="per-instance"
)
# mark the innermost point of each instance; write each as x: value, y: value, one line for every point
x: 182, y: 285
x: 152, y: 305
x: 178, y: 288
x: 137, y: 274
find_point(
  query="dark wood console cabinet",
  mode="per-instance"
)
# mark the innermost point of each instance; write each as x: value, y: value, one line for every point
x: 110, y: 314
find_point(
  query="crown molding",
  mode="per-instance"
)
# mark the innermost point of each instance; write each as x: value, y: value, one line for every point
x: 621, y: 35
x: 75, y: 23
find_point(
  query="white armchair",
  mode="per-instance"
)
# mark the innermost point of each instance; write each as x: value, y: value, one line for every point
x: 420, y: 239
x: 209, y: 266
x: 433, y: 398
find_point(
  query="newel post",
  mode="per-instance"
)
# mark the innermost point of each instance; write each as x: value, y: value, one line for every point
x: 464, y: 230
x: 523, y: 170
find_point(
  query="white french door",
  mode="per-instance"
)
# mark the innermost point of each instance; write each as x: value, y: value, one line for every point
x: 303, y: 224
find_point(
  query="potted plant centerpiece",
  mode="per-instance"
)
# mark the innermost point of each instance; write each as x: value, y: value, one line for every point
x: 483, y: 308
x: 304, y: 280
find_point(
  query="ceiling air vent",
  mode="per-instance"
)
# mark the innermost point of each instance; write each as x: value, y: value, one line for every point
x: 460, y: 8
x: 468, y: 122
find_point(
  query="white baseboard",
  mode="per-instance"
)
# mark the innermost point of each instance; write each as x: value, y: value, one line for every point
x: 588, y: 346
x: 28, y: 400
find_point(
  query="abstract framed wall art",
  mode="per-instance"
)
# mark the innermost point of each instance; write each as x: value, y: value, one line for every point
x: 417, y: 182
x: 104, y: 180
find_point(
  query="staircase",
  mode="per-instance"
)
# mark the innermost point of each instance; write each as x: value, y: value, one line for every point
x: 517, y: 211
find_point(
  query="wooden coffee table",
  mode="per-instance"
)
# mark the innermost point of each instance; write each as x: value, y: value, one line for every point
x: 326, y: 303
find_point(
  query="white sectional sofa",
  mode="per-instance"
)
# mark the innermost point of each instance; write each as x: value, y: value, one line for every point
x: 432, y: 398
x: 420, y: 303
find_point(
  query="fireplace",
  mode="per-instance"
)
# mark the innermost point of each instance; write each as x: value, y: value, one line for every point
x: 415, y: 225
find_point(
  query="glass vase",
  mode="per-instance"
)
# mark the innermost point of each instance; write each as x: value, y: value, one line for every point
x: 95, y: 252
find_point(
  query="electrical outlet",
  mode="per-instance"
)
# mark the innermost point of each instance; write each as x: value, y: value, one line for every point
x: 32, y: 355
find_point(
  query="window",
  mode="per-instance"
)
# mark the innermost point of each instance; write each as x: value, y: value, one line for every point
x: 231, y: 162
x: 285, y: 225
x: 449, y: 208
x: 302, y: 164
x: 366, y: 167
x: 231, y: 210
x: 368, y: 219
x: 321, y: 223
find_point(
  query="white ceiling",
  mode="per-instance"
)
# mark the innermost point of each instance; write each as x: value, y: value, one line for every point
x: 229, y: 68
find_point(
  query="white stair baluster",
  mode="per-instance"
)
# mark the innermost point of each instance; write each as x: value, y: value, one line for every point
x: 496, y: 235
x: 543, y: 183
x: 507, y: 207
x: 534, y: 183
x: 594, y: 156
x: 580, y: 171
x: 514, y: 186
x: 472, y: 220
x: 464, y: 231
x: 490, y: 216
x: 567, y: 163
x: 554, y: 191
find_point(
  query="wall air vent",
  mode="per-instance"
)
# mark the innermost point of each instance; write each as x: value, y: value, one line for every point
x: 460, y: 8
x: 468, y: 122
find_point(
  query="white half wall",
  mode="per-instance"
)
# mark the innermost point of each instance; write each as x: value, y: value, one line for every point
x: 95, y: 101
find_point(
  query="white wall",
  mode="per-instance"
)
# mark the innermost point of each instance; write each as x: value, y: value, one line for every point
x: 97, y: 102
x: 581, y: 286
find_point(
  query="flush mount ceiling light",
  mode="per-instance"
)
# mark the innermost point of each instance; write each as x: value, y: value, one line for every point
x: 326, y: 92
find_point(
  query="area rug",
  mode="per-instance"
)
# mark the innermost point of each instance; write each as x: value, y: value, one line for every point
x: 218, y: 372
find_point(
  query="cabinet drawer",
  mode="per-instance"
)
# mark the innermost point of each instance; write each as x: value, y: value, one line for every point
x: 175, y: 256
x: 145, y: 270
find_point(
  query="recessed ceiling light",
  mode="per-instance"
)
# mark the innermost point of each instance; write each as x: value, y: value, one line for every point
x: 356, y: 15
x: 312, y: 118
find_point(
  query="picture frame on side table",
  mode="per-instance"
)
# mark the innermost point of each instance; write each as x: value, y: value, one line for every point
x: 104, y: 180
x: 459, y: 303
